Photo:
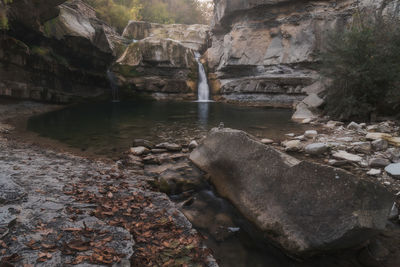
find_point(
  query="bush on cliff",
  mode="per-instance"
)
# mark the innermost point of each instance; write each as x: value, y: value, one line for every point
x: 3, y: 14
x: 363, y: 64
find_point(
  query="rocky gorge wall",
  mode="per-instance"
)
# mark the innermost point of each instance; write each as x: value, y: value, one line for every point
x: 56, y: 51
x: 264, y: 52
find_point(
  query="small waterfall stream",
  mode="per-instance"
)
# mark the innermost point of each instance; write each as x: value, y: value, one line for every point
x: 203, y: 88
x: 113, y: 84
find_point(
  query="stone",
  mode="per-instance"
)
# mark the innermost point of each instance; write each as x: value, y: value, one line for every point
x: 393, y: 170
x: 379, y: 144
x: 140, y: 150
x: 158, y: 150
x: 170, y: 146
x: 394, y: 154
x: 378, y: 162
x: 345, y: 139
x: 310, y: 134
x: 293, y: 145
x: 395, y: 141
x: 347, y: 156
x: 337, y: 163
x: 374, y: 172
x: 316, y: 148
x: 193, y: 144
x: 354, y: 126
x: 362, y: 147
x: 333, y: 124
x: 306, y: 121
x: 142, y: 142
x: 276, y: 193
x: 267, y: 141
x: 313, y: 101
x: 302, y: 112
x: 376, y: 136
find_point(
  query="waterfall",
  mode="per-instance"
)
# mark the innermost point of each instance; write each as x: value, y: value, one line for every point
x: 113, y: 84
x: 203, y: 89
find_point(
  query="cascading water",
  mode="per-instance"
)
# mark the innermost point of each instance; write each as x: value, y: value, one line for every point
x: 203, y: 89
x: 113, y: 84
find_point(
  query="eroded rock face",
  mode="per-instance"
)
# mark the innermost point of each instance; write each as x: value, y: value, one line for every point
x: 56, y: 53
x: 159, y: 68
x: 195, y: 37
x: 264, y: 51
x: 303, y: 207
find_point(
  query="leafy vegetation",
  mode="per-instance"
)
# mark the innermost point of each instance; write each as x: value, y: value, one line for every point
x: 118, y: 12
x: 363, y: 65
x: 3, y: 14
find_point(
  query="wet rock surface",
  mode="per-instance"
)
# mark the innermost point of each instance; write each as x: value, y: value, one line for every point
x: 353, y: 215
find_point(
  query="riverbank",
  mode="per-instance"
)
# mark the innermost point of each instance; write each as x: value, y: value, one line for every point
x: 60, y: 209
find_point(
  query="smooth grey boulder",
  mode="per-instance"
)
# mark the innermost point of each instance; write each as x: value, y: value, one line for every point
x: 393, y: 170
x: 304, y: 208
x: 316, y: 148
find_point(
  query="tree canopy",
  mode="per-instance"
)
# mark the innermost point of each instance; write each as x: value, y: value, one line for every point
x: 118, y: 12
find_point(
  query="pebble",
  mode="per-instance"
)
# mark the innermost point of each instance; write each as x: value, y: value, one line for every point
x: 292, y: 146
x: 393, y: 170
x: 354, y: 126
x: 376, y: 136
x: 378, y: 162
x: 140, y: 150
x: 310, y: 134
x: 193, y: 144
x: 362, y: 147
x: 379, y: 144
x: 267, y: 141
x: 374, y: 172
x: 347, y: 156
x: 316, y: 148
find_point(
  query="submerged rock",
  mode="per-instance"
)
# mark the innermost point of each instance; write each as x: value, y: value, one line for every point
x: 303, y: 207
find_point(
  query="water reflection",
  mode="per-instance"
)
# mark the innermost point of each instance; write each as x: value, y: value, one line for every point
x: 203, y: 113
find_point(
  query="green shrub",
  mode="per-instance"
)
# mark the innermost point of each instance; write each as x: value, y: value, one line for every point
x: 3, y: 14
x: 363, y: 64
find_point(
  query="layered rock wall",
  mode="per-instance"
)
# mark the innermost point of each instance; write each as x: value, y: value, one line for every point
x: 57, y: 53
x: 265, y: 51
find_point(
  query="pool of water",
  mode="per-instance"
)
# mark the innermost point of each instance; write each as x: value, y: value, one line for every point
x: 106, y: 128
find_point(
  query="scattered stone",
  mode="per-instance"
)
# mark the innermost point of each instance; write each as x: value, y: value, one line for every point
x: 374, y: 172
x: 313, y: 101
x: 310, y: 133
x: 140, y: 150
x: 393, y: 170
x: 333, y: 124
x: 379, y: 145
x: 290, y: 134
x: 170, y: 146
x: 384, y: 127
x: 362, y: 147
x: 341, y: 154
x: 316, y: 148
x: 345, y: 139
x: 395, y: 141
x: 151, y: 159
x: 376, y: 136
x: 193, y: 144
x: 372, y: 128
x: 293, y: 146
x: 158, y: 150
x: 394, y: 154
x: 306, y: 121
x: 266, y: 141
x: 337, y: 163
x: 300, y: 137
x: 378, y: 162
x: 142, y: 142
x: 354, y: 126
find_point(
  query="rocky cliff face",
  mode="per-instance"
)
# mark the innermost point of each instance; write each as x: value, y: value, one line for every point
x: 264, y: 51
x: 56, y: 51
x: 160, y: 61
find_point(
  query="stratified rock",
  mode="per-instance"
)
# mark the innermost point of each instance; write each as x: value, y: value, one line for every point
x: 379, y: 145
x: 263, y: 51
x: 316, y: 148
x: 313, y: 101
x: 191, y: 36
x: 378, y: 162
x: 395, y: 141
x: 393, y: 170
x: 277, y: 193
x: 302, y: 112
x: 347, y: 156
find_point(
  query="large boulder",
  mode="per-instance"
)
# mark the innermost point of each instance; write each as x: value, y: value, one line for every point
x: 191, y: 36
x: 266, y: 49
x: 302, y: 207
